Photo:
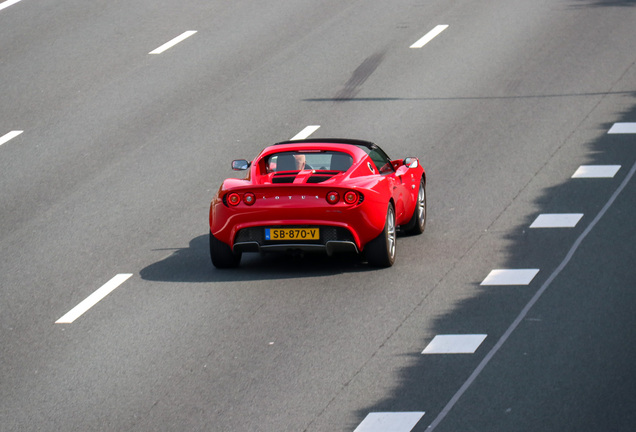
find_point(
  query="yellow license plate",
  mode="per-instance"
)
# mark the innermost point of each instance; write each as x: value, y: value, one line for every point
x: 277, y: 234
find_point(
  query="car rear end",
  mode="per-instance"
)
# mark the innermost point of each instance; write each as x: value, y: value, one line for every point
x: 327, y: 218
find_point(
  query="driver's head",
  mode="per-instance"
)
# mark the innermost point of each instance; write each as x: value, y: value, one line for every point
x: 300, y: 161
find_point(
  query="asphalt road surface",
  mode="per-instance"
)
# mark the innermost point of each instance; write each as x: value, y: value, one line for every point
x: 513, y: 312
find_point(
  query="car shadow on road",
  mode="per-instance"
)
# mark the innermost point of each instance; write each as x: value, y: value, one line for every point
x: 192, y: 264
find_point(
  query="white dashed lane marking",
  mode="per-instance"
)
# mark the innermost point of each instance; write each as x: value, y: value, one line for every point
x: 623, y: 128
x: 183, y: 36
x: 305, y: 132
x: 596, y: 171
x: 454, y: 344
x: 93, y: 299
x: 510, y: 277
x: 389, y: 421
x: 557, y: 220
x: 429, y: 36
x: 9, y: 136
x: 8, y: 3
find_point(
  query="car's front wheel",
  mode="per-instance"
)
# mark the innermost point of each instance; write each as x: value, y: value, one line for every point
x: 222, y: 255
x: 380, y: 251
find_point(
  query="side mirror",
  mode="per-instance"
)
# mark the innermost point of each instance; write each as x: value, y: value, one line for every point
x: 240, y: 165
x: 411, y: 162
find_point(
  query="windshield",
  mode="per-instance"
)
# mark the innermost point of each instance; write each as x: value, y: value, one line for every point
x: 380, y: 159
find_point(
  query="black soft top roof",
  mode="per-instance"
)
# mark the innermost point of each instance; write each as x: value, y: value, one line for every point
x: 356, y: 142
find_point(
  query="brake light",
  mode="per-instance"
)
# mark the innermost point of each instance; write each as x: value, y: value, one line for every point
x: 333, y: 197
x: 351, y: 197
x: 233, y: 199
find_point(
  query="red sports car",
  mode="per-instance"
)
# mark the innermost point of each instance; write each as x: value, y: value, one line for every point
x: 330, y: 195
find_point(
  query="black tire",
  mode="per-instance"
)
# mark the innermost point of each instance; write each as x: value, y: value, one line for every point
x: 417, y: 224
x: 222, y: 255
x: 380, y: 251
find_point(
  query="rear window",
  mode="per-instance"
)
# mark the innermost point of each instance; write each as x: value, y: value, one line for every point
x: 311, y: 160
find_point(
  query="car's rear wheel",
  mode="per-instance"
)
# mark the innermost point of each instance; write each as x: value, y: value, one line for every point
x: 380, y: 251
x: 417, y: 224
x: 222, y: 255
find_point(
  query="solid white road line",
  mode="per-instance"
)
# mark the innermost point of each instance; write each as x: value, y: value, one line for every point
x: 9, y: 136
x: 93, y: 299
x: 173, y: 42
x: 454, y: 344
x: 429, y: 36
x: 510, y: 277
x: 389, y: 421
x: 623, y: 128
x: 305, y: 132
x: 596, y: 171
x: 524, y: 312
x: 557, y: 220
x: 8, y: 3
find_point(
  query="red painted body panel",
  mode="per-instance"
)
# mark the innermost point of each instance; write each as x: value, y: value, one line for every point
x: 304, y: 204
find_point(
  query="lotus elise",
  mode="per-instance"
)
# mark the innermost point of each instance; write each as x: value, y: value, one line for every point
x: 327, y: 195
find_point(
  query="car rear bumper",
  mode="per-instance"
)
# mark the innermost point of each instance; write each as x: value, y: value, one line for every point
x: 332, y: 240
x: 329, y: 248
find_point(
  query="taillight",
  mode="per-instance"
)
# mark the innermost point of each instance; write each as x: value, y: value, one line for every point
x: 233, y: 199
x: 333, y: 197
x: 249, y: 198
x: 351, y: 197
